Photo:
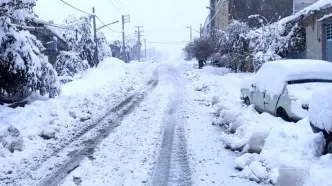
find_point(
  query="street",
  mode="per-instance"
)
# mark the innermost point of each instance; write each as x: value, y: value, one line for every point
x: 159, y: 135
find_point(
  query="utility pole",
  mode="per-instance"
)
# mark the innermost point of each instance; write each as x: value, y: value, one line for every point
x: 139, y: 35
x: 145, y: 47
x: 191, y: 33
x: 125, y: 19
x: 212, y: 17
x: 95, y: 36
x: 200, y: 30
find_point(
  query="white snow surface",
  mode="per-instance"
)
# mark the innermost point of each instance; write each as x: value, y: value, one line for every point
x: 81, y: 100
x: 269, y: 150
x: 320, y: 112
x: 273, y: 75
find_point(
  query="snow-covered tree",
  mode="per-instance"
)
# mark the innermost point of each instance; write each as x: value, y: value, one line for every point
x: 116, y: 49
x: 17, y: 9
x: 232, y: 47
x: 69, y: 64
x: 80, y: 38
x: 275, y: 41
x: 23, y: 68
x: 104, y: 50
x: 200, y: 48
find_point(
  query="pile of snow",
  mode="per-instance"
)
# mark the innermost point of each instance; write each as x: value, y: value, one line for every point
x: 320, y: 112
x: 273, y: 75
x: 28, y: 131
x: 270, y: 149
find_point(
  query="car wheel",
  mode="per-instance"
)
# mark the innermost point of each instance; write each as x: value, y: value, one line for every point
x: 247, y: 101
x: 328, y: 147
x: 281, y: 112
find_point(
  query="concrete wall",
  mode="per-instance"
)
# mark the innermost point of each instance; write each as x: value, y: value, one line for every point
x: 314, y: 41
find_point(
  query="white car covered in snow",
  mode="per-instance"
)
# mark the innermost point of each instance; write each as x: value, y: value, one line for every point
x: 284, y: 88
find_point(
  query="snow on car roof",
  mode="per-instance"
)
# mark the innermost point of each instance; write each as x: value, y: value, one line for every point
x: 273, y: 75
x: 298, y: 69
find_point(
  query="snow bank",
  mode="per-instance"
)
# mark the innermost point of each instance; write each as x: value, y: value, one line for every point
x: 56, y: 121
x: 273, y: 75
x: 320, y: 108
x: 270, y: 149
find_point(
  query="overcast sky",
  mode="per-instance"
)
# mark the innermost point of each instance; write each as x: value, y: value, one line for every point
x: 163, y: 20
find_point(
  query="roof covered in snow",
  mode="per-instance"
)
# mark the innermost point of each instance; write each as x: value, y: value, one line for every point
x: 318, y: 6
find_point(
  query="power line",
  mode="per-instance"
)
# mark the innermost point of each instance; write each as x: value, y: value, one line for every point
x: 75, y: 7
x: 115, y: 6
x: 102, y: 22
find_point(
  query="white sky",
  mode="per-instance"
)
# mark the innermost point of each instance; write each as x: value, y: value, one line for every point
x: 163, y: 20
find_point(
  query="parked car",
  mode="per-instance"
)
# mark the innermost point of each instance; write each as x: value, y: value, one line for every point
x: 284, y: 88
x: 320, y: 114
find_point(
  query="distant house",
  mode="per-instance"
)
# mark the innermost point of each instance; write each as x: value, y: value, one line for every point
x: 49, y: 37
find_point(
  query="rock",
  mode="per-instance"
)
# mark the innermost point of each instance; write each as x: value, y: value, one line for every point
x: 48, y: 133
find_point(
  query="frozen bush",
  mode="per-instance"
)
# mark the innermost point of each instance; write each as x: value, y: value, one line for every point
x: 23, y: 68
x: 68, y: 64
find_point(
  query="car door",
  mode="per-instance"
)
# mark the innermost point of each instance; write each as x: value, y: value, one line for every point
x: 258, y: 98
x: 271, y: 101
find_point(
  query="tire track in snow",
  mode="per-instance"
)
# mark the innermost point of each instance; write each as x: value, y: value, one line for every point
x: 68, y: 157
x: 172, y: 166
x: 122, y: 110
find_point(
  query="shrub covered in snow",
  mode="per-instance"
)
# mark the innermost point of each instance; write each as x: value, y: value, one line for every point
x: 104, y: 50
x: 23, y: 68
x: 275, y: 41
x: 68, y: 64
x: 84, y: 44
x: 201, y: 48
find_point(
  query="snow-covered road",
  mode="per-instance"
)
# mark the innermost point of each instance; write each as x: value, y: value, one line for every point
x: 162, y: 135
x: 167, y: 140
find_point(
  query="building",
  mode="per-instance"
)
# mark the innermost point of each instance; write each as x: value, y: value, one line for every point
x: 301, y: 4
x: 222, y: 16
x: 318, y: 26
x: 272, y: 10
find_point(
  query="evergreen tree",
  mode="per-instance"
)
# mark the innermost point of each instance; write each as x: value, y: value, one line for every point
x: 23, y: 68
x: 84, y: 44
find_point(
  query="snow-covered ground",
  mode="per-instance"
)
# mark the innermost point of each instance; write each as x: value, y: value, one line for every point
x: 191, y: 128
x: 26, y: 130
x: 268, y: 149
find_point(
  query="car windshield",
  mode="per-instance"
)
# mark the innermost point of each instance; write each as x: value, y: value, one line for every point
x: 304, y: 81
x: 303, y: 89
